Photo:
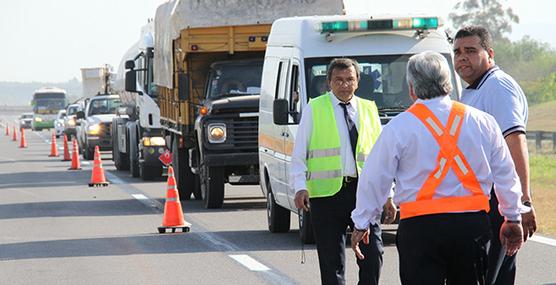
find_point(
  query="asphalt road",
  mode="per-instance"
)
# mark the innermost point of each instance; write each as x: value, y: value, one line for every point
x: 54, y: 229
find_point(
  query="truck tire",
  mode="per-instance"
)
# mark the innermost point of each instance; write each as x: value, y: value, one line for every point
x: 150, y: 172
x: 278, y: 217
x: 121, y: 160
x: 133, y: 158
x: 88, y: 153
x: 186, y: 181
x: 212, y: 186
x: 306, y: 228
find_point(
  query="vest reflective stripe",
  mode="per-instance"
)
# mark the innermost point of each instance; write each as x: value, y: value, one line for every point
x: 449, y: 157
x: 324, y: 164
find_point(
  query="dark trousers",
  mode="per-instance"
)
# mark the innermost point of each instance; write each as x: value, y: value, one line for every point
x: 501, y: 268
x: 444, y: 249
x: 330, y: 217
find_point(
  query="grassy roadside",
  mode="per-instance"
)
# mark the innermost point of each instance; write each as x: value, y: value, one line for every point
x: 543, y: 185
x: 542, y: 117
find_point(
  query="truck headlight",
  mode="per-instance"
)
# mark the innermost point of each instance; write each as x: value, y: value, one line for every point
x: 93, y: 129
x: 216, y: 133
x: 71, y: 122
x: 154, y: 141
x: 38, y: 119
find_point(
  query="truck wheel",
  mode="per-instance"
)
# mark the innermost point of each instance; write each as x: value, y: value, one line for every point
x: 133, y: 160
x: 186, y: 180
x: 278, y: 217
x: 306, y: 228
x: 121, y: 160
x: 212, y: 187
x: 150, y: 172
x: 88, y: 153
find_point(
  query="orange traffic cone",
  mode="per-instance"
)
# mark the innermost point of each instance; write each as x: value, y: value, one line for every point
x: 173, y: 214
x: 23, y: 142
x: 66, y: 150
x: 7, y: 130
x: 53, y: 147
x: 75, y: 157
x: 14, y: 137
x: 97, y: 178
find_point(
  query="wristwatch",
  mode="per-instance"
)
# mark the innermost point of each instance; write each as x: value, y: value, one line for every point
x: 359, y: 230
x: 526, y: 203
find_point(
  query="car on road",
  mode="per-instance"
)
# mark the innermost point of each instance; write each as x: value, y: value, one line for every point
x: 59, y: 123
x: 25, y: 120
x: 70, y: 121
x: 95, y: 124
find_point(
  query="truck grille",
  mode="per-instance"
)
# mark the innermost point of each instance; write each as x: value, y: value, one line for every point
x: 241, y: 134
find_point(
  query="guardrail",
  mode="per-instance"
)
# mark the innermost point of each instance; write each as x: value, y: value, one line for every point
x: 540, y: 136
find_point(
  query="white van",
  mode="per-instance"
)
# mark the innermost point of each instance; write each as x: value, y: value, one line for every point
x: 298, y: 52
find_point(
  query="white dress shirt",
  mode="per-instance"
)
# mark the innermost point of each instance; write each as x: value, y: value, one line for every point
x: 407, y: 151
x: 303, y: 139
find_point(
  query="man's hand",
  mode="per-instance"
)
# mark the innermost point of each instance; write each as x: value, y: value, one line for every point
x: 390, y: 211
x: 511, y: 237
x: 302, y: 200
x: 529, y: 223
x: 356, y: 237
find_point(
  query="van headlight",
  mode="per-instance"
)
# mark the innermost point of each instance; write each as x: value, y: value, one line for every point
x: 93, y: 129
x: 154, y: 141
x: 38, y: 119
x: 217, y: 133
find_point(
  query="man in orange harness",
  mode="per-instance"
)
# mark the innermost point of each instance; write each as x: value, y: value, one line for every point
x: 444, y: 157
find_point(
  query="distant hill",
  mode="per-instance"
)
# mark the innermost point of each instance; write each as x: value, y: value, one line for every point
x: 20, y: 94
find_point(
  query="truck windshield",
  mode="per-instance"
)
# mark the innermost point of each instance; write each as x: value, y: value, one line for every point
x: 104, y: 106
x: 382, y: 79
x: 235, y: 79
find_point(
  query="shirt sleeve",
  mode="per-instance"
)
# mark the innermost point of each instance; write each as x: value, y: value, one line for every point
x: 375, y: 183
x: 508, y: 105
x: 298, y: 167
x: 506, y: 182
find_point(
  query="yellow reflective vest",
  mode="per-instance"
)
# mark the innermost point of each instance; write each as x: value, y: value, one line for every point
x: 324, y: 164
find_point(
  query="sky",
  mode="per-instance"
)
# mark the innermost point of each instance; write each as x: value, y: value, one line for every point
x: 50, y: 40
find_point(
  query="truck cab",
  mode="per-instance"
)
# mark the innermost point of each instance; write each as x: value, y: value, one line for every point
x: 298, y: 53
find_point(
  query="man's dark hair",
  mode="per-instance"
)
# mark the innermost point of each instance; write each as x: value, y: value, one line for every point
x: 482, y: 33
x: 342, y: 63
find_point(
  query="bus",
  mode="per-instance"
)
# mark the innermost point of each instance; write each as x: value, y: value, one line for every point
x: 46, y: 104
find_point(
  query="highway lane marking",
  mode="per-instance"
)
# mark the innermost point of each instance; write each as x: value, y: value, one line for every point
x: 249, y: 262
x: 139, y: 196
x: 543, y: 240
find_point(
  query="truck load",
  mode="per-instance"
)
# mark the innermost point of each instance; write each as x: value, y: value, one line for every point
x: 207, y: 67
x: 96, y: 80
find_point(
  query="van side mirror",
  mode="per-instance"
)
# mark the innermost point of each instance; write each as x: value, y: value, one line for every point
x: 280, y: 111
x: 80, y: 115
x: 183, y: 86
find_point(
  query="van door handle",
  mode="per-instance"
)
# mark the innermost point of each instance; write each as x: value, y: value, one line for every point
x: 285, y: 134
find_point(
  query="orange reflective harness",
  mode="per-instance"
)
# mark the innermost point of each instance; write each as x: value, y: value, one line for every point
x: 449, y: 157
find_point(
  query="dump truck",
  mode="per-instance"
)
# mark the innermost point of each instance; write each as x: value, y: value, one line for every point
x: 207, y: 67
x: 138, y: 141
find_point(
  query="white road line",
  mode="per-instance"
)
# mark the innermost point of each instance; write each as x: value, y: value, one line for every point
x: 543, y: 240
x: 249, y: 262
x: 139, y: 196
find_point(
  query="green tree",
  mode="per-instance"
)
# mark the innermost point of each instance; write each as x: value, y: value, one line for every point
x: 487, y: 13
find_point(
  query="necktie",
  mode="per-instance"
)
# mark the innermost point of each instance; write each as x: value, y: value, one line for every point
x: 353, y: 134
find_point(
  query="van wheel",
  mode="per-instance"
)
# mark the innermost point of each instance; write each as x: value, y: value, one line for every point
x: 212, y: 187
x: 306, y: 228
x: 278, y: 217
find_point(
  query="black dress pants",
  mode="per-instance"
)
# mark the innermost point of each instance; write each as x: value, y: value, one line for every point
x: 501, y: 268
x: 444, y: 249
x: 331, y: 216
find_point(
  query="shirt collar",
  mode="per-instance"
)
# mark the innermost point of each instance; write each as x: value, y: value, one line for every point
x: 336, y: 101
x: 477, y: 82
x: 442, y: 100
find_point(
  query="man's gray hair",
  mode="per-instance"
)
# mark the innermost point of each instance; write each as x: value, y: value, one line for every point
x: 429, y: 73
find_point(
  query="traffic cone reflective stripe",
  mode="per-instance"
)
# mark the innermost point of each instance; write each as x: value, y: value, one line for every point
x: 66, y: 150
x: 53, y: 147
x: 23, y: 142
x: 97, y: 177
x: 75, y: 157
x: 14, y: 137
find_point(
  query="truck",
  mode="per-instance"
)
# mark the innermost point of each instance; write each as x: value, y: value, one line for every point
x: 138, y: 140
x: 298, y: 53
x: 207, y: 69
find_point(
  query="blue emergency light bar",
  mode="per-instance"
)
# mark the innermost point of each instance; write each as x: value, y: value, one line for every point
x: 415, y: 23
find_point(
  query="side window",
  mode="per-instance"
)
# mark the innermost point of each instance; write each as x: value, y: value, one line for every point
x: 278, y: 81
x: 282, y: 80
x: 294, y: 94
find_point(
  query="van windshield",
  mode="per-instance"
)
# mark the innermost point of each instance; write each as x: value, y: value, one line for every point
x: 382, y: 79
x: 235, y: 78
